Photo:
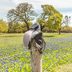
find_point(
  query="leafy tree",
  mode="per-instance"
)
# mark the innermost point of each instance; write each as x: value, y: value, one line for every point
x: 16, y: 27
x: 10, y: 27
x: 3, y: 26
x: 41, y: 22
x: 22, y: 13
x: 54, y: 22
x: 24, y: 28
x: 51, y: 17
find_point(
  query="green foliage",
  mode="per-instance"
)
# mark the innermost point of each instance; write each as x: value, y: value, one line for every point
x: 54, y: 21
x: 3, y: 26
x: 42, y: 23
x: 18, y: 27
x: 49, y: 10
x: 50, y: 17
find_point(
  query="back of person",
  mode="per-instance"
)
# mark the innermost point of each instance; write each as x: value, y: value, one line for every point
x: 27, y: 38
x: 36, y: 34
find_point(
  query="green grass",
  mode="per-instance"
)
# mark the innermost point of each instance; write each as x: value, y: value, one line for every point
x: 14, y: 58
x: 56, y: 35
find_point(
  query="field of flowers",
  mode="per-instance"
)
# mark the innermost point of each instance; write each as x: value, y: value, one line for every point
x: 15, y: 58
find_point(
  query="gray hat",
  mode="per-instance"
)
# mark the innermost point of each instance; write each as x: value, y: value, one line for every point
x: 35, y: 25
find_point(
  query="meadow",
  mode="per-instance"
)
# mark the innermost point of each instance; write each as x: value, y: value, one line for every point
x: 14, y: 57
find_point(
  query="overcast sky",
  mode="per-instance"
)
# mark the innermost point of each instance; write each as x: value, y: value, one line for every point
x: 64, y: 6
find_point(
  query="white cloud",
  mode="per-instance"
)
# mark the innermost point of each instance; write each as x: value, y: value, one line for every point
x: 5, y: 9
x: 56, y: 3
x: 37, y: 3
x: 5, y: 5
x: 16, y: 1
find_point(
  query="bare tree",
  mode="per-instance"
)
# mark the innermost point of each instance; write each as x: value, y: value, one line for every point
x: 66, y: 20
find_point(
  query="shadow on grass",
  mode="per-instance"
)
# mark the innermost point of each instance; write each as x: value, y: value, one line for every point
x: 10, y: 36
x: 49, y: 36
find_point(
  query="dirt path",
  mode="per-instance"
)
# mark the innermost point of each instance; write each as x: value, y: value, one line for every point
x: 65, y: 68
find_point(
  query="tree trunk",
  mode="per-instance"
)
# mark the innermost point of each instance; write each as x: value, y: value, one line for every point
x: 59, y: 31
x: 27, y: 25
x: 10, y: 27
x: 36, y: 61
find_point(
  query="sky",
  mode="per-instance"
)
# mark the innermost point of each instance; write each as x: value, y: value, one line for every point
x: 64, y: 6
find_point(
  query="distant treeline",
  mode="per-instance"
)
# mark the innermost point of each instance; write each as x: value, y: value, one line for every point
x: 21, y: 28
x: 12, y: 27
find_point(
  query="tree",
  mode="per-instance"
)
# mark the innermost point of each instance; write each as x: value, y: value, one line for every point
x: 10, y: 27
x: 41, y: 22
x: 66, y: 20
x: 3, y: 26
x: 51, y: 17
x: 22, y: 13
x: 17, y: 28
x: 54, y: 22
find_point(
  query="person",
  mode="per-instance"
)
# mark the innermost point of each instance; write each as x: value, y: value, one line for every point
x: 34, y: 33
x: 34, y: 30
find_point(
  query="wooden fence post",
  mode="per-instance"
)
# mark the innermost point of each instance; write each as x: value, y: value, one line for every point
x: 36, y: 61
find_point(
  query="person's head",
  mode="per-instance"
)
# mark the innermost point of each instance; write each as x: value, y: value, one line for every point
x: 35, y: 26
